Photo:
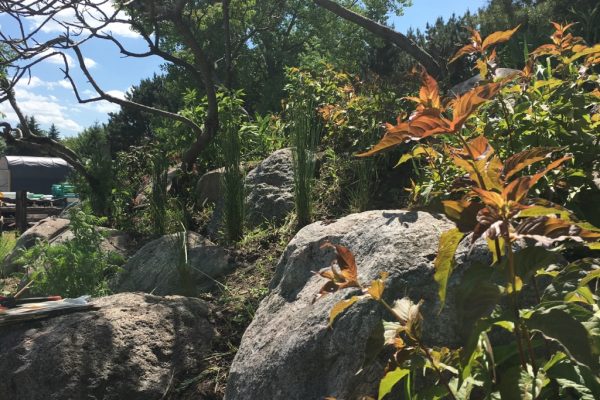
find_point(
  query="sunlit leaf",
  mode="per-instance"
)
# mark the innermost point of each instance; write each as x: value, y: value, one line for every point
x: 340, y: 306
x: 595, y: 274
x: 517, y: 286
x: 390, y: 380
x: 582, y: 294
x: 583, y: 391
x: 465, y: 105
x: 418, y: 151
x: 540, y: 211
x: 376, y: 289
x: 547, y: 230
x: 467, y: 49
x: 395, y: 135
x: 518, y: 188
x: 444, y: 262
x: 522, y: 160
x: 498, y: 37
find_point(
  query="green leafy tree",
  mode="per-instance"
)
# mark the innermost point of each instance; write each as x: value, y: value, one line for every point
x: 93, y: 147
x: 77, y: 267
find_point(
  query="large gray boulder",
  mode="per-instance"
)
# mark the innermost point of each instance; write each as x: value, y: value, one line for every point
x: 288, y: 352
x: 270, y: 189
x: 154, y: 267
x: 134, y: 346
x: 46, y: 229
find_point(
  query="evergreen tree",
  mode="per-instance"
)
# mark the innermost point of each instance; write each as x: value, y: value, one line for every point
x: 33, y: 125
x: 53, y: 133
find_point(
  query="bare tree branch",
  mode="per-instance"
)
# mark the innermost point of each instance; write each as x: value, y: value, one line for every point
x: 384, y: 32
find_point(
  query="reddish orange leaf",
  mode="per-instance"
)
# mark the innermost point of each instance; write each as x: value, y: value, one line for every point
x: 466, y: 104
x: 489, y: 198
x: 546, y: 49
x: 430, y: 92
x: 522, y: 160
x: 395, y: 135
x: 347, y: 275
x: 467, y: 49
x: 463, y: 213
x: 519, y: 188
x: 475, y: 36
x: 548, y: 230
x: 498, y: 37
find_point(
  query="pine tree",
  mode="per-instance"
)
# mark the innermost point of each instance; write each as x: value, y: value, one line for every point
x: 53, y: 133
x: 33, y: 125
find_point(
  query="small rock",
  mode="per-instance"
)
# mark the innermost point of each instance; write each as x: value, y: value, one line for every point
x: 270, y: 189
x: 153, y: 268
x: 209, y: 189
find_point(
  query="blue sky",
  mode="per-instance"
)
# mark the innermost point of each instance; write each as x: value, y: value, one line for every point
x: 48, y: 96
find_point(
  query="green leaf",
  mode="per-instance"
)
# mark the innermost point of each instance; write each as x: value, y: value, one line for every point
x: 595, y: 274
x: 508, y: 325
x: 477, y: 295
x: 593, y: 246
x: 340, y: 306
x: 557, y: 324
x: 390, y: 380
x: 510, y: 383
x: 582, y: 294
x: 444, y: 262
x: 558, y: 356
x: 418, y: 151
x: 565, y: 368
x: 529, y: 260
x: 540, y: 211
x: 583, y: 391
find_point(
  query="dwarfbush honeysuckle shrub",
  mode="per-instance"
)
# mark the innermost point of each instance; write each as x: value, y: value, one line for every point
x: 550, y: 348
x: 553, y: 102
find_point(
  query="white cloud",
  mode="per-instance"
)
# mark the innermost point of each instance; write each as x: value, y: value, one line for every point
x: 116, y: 93
x: 58, y: 60
x: 103, y: 106
x: 45, y: 109
x: 106, y: 107
x: 36, y: 82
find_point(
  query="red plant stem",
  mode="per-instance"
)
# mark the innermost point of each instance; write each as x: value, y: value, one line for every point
x: 512, y: 278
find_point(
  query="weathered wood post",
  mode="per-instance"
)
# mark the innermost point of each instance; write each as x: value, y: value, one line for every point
x: 21, y: 211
